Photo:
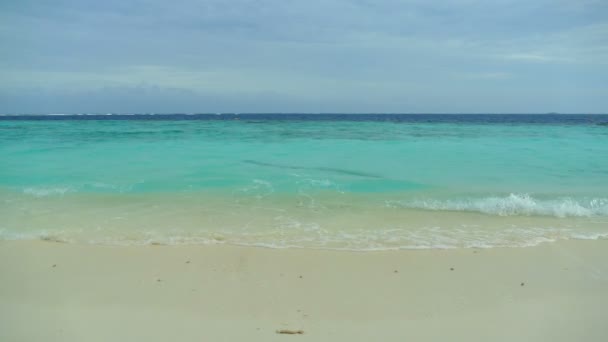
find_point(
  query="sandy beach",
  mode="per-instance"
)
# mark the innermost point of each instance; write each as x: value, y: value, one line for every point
x: 68, y: 292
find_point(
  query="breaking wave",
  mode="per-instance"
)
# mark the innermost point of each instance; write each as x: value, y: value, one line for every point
x: 513, y: 205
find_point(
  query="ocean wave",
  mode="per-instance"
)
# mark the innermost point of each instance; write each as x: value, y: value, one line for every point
x: 47, y: 191
x: 513, y: 205
x: 60, y: 190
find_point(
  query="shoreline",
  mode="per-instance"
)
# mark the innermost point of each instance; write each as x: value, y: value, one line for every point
x: 218, y: 241
x: 70, y: 292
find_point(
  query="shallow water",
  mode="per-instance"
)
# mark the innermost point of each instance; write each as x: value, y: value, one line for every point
x: 330, y: 181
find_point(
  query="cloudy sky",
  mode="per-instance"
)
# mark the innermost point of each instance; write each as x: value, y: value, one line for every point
x: 409, y: 56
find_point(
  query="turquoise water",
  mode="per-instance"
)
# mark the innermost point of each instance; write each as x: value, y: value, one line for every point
x: 306, y: 183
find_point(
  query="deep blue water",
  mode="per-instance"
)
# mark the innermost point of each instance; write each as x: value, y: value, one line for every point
x: 553, y: 119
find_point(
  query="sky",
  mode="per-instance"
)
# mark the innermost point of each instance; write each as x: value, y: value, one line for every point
x: 313, y: 56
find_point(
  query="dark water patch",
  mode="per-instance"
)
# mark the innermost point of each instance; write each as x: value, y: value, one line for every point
x: 10, y: 128
x: 326, y: 169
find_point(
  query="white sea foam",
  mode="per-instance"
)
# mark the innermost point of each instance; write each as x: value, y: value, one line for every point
x: 310, y: 236
x: 258, y: 188
x: 514, y: 204
x: 47, y: 191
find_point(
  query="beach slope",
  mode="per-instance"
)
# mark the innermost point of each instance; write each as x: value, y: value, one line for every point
x: 68, y: 292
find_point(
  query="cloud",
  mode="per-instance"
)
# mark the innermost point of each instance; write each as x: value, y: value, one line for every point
x: 532, y: 57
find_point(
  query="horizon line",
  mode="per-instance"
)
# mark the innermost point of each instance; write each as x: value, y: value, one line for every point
x: 294, y: 113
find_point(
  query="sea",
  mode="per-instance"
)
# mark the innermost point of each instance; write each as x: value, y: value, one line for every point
x: 359, y: 182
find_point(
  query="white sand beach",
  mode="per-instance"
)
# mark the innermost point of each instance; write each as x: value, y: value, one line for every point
x: 69, y: 292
